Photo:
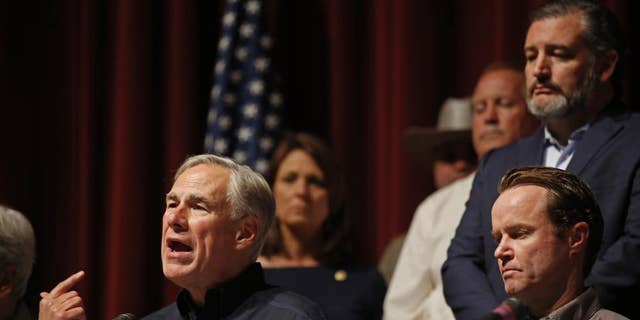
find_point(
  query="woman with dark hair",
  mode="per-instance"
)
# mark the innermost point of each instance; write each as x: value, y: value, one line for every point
x: 307, y: 249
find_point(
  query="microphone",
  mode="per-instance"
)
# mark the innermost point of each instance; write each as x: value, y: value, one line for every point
x: 126, y: 316
x: 510, y: 309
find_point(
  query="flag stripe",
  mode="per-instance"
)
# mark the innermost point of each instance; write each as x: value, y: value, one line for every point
x: 245, y: 115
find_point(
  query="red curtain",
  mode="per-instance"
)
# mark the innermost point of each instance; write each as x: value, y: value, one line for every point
x: 101, y: 100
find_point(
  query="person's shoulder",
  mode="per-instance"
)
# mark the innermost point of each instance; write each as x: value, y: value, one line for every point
x: 24, y: 312
x: 618, y: 112
x: 167, y: 313
x: 521, y: 145
x: 443, y: 205
x: 266, y: 261
x: 606, y: 314
x: 633, y: 119
x: 363, y: 271
x: 278, y: 303
x: 497, y: 161
x: 363, y: 278
x: 634, y: 115
x: 454, y: 187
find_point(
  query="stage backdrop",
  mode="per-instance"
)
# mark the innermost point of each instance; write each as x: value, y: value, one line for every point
x: 102, y: 99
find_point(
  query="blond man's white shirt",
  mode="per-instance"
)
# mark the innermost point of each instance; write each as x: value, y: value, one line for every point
x: 415, y: 290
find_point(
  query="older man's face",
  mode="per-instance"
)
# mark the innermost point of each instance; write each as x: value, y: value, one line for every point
x: 198, y: 236
x: 500, y: 112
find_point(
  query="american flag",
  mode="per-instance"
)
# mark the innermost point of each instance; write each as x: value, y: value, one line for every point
x: 245, y: 114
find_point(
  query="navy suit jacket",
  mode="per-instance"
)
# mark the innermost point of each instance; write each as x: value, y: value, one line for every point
x: 608, y: 159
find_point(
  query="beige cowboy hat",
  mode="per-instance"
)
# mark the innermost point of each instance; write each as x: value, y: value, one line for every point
x: 454, y: 124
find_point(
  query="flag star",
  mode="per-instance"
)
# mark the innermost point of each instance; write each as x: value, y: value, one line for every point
x: 219, y: 69
x: 215, y: 92
x: 271, y: 121
x: 250, y: 110
x: 229, y: 99
x: 246, y: 30
x: 265, y: 42
x: 208, y: 142
x: 240, y: 156
x: 224, y: 42
x: 224, y: 122
x: 253, y: 6
x: 236, y: 76
x: 256, y: 87
x: 266, y: 143
x: 229, y: 19
x: 220, y: 146
x: 211, y: 117
x: 261, y: 64
x: 244, y: 134
x: 262, y: 165
x: 241, y: 54
x: 275, y: 99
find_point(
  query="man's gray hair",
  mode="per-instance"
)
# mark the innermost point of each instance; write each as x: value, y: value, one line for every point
x: 17, y: 248
x: 247, y: 193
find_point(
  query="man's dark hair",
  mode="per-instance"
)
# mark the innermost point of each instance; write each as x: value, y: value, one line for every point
x: 602, y: 31
x: 569, y: 199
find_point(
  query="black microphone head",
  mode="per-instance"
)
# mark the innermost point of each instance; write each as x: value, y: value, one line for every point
x: 520, y: 309
x: 510, y: 309
x: 491, y: 316
x: 126, y: 316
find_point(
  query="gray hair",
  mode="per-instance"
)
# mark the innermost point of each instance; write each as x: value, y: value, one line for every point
x: 247, y: 193
x: 17, y: 248
x: 601, y: 28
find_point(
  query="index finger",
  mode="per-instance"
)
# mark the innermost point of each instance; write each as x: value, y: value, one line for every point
x: 66, y: 284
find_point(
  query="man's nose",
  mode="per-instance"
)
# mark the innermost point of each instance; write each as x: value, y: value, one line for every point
x: 503, y: 251
x: 491, y: 114
x: 541, y: 69
x: 177, y: 218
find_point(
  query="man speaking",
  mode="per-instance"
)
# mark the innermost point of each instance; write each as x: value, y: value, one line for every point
x: 216, y: 219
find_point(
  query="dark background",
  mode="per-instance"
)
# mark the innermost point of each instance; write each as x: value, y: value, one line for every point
x: 100, y: 101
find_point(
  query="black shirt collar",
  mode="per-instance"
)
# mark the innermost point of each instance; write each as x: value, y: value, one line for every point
x: 222, y: 300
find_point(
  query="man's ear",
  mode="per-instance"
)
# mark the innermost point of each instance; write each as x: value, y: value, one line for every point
x: 606, y: 65
x: 6, y: 285
x: 578, y: 236
x: 247, y: 232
